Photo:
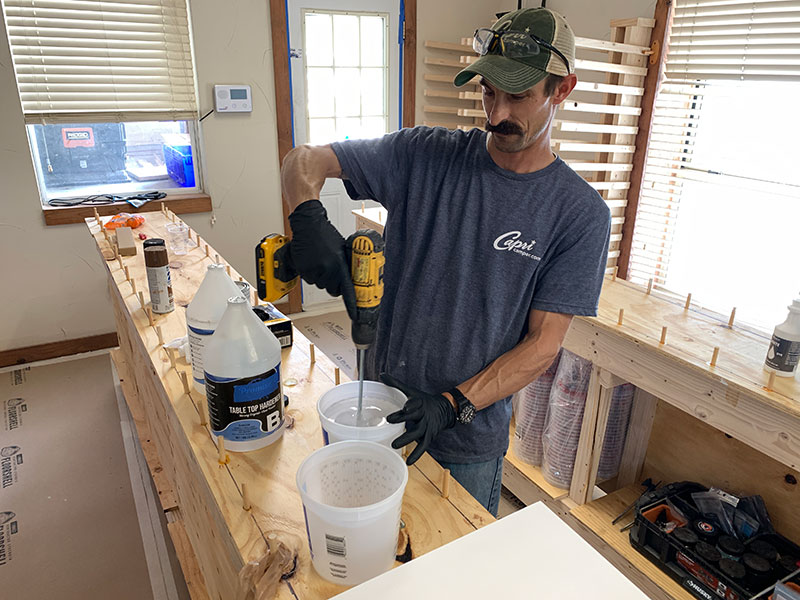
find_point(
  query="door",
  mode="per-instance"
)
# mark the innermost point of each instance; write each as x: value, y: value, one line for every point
x: 345, y: 70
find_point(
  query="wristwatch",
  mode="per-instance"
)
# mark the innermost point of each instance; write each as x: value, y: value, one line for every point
x: 465, y: 410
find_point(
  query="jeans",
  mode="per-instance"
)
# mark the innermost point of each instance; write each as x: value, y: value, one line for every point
x: 483, y: 480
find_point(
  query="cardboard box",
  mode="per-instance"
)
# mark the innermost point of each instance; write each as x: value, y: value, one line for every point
x: 279, y: 324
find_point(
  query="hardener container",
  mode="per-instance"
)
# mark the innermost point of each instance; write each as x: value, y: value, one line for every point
x: 204, y: 312
x: 337, y: 409
x: 243, y: 380
x: 352, y: 496
x: 784, y: 348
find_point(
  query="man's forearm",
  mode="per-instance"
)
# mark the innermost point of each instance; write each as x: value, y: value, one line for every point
x: 518, y: 367
x: 304, y: 171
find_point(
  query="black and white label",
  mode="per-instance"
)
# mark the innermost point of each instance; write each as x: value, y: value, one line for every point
x: 783, y: 354
x: 8, y: 527
x: 335, y: 545
x: 19, y: 376
x: 160, y: 285
x: 10, y: 464
x: 198, y: 338
x: 13, y: 411
x: 245, y: 409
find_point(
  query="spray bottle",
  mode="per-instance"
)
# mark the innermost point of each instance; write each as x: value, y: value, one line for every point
x: 784, y: 348
x: 203, y: 314
x: 243, y: 380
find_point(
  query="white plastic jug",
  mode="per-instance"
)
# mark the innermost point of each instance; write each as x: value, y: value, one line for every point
x: 203, y: 313
x: 352, y: 496
x: 243, y: 380
x: 337, y: 408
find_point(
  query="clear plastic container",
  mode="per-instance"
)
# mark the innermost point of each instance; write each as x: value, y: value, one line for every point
x: 203, y: 314
x: 243, y: 380
x: 352, y: 496
x: 337, y: 413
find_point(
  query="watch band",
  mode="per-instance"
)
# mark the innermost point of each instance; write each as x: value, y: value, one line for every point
x: 466, y: 410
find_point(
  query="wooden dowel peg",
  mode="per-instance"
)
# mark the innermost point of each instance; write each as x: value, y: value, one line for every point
x: 149, y: 312
x: 312, y: 358
x: 222, y: 455
x: 771, y: 382
x: 688, y: 301
x: 185, y: 382
x: 246, y: 497
x: 380, y: 217
x: 446, y: 483
x: 201, y: 406
x: 141, y: 299
x: 336, y: 376
x: 649, y: 286
x: 163, y: 211
x: 621, y: 315
x: 216, y: 258
x: 127, y: 273
x: 133, y: 285
x: 105, y: 235
x: 96, y: 216
x: 255, y: 297
x: 228, y: 270
x: 663, y: 335
x: 241, y: 278
x: 733, y: 316
x: 614, y: 273
x: 206, y: 250
x: 119, y: 260
x: 160, y: 335
x: 171, y: 357
x: 362, y: 207
x: 715, y: 356
x: 172, y: 216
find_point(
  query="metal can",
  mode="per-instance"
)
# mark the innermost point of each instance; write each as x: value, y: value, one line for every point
x: 156, y: 261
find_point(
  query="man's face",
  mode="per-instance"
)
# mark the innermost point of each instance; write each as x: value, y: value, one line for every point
x: 516, y: 121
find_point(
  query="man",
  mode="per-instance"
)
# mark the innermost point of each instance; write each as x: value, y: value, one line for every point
x: 492, y: 245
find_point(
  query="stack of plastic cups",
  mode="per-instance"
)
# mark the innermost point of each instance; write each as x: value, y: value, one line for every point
x: 530, y: 413
x: 565, y: 416
x: 616, y: 430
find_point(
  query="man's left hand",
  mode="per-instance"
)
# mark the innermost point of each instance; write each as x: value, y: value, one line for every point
x: 425, y: 415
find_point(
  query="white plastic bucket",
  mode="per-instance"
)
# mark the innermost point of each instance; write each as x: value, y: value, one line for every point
x: 352, y: 495
x: 336, y: 432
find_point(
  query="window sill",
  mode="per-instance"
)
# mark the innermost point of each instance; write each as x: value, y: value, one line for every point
x: 178, y: 203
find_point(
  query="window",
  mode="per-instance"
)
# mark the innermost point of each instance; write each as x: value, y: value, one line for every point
x: 720, y: 200
x: 346, y: 75
x: 107, y: 90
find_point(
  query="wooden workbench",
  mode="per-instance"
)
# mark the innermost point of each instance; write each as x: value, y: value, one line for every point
x: 214, y: 535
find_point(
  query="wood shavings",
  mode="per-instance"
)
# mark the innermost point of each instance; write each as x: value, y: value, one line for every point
x: 259, y: 580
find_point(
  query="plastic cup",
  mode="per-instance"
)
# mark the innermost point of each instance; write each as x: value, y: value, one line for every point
x: 352, y: 495
x: 391, y: 398
x: 178, y: 235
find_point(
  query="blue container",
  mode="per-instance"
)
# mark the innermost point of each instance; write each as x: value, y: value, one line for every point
x: 180, y: 166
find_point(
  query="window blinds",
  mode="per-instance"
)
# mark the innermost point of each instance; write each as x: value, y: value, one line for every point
x: 79, y: 60
x: 711, y: 42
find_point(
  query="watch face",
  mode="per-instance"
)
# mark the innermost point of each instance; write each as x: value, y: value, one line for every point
x: 467, y: 414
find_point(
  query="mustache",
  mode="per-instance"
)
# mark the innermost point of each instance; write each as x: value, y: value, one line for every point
x: 503, y: 128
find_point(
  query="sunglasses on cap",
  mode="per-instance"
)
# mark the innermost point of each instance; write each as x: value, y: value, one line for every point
x: 513, y: 44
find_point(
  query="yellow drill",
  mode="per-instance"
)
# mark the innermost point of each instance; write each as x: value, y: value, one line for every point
x: 277, y: 277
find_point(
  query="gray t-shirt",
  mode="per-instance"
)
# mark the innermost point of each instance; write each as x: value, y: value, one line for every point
x: 471, y: 249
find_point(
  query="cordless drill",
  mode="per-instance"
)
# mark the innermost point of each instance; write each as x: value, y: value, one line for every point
x: 277, y: 277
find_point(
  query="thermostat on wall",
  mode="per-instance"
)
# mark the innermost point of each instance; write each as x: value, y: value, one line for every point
x: 233, y: 98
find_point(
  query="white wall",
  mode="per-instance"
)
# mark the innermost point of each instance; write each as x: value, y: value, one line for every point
x: 590, y: 18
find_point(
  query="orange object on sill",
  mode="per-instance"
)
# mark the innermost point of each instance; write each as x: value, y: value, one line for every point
x: 124, y: 220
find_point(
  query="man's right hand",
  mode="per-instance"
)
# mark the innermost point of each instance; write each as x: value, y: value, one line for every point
x: 318, y: 252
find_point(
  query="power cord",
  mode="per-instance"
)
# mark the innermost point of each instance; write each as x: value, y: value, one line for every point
x: 105, y: 199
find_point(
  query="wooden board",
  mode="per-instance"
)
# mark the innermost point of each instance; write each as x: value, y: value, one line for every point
x: 224, y: 535
x: 730, y: 397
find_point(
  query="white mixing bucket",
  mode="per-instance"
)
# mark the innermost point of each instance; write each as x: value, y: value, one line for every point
x: 379, y: 401
x: 352, y: 495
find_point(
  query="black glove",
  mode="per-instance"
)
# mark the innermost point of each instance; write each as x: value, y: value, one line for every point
x: 425, y: 415
x: 318, y: 252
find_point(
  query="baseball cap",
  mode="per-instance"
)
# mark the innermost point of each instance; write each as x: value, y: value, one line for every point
x: 515, y: 75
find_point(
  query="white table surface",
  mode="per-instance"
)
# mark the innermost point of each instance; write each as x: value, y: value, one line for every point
x: 529, y: 554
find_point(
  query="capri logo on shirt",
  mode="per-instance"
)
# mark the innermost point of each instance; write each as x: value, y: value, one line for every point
x: 510, y: 242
